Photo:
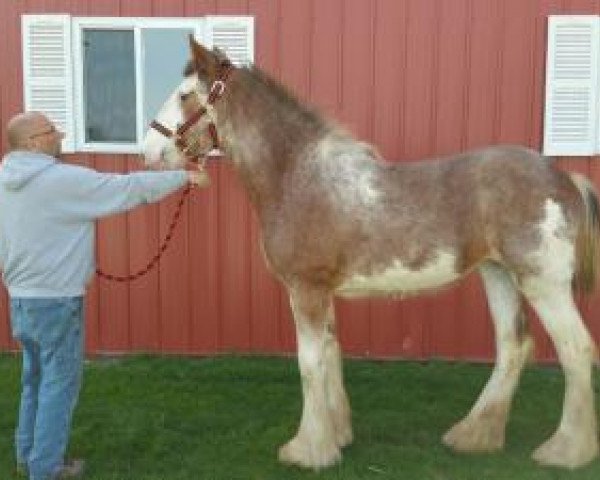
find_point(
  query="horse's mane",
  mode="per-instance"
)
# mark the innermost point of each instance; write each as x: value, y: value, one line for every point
x: 264, y: 84
x: 277, y: 98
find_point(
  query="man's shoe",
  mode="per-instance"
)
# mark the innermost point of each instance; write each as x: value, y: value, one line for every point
x: 71, y: 469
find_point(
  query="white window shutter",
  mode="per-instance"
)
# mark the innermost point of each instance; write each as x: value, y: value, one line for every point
x: 233, y: 35
x: 48, y: 71
x: 571, y: 114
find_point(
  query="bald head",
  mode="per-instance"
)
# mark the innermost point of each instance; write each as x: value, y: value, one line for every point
x: 21, y: 126
x: 33, y: 131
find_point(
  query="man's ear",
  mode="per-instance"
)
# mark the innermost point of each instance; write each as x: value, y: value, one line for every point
x: 204, y: 60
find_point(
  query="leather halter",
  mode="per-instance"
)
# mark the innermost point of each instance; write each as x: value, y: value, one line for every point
x: 217, y: 90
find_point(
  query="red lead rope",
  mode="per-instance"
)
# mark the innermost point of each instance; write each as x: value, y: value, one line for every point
x: 154, y: 261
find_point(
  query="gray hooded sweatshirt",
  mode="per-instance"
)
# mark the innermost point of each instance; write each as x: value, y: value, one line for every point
x: 47, y: 213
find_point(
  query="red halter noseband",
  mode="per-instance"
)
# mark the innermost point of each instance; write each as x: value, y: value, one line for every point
x: 216, y: 91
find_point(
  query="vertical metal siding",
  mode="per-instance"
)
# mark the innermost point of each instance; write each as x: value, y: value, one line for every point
x: 416, y: 78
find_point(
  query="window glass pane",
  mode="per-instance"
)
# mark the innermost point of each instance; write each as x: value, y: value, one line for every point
x: 109, y: 86
x: 166, y: 52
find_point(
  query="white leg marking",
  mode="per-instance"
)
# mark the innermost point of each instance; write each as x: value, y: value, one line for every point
x: 337, y: 400
x: 484, y: 427
x: 575, y: 442
x: 315, y: 443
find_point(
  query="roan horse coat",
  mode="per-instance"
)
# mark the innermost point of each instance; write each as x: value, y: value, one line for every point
x: 338, y: 220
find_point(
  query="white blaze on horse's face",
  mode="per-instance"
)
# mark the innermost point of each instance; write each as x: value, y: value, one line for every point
x: 159, y: 150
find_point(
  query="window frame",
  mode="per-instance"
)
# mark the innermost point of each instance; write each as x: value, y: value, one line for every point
x: 137, y: 25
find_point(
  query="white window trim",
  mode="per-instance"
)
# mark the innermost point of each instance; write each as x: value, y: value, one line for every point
x: 136, y: 24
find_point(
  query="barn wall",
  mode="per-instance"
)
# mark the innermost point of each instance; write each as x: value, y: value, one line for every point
x: 417, y: 78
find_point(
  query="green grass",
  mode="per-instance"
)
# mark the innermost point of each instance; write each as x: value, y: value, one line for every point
x: 150, y: 418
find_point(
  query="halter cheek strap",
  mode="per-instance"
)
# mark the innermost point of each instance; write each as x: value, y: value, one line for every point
x: 159, y: 127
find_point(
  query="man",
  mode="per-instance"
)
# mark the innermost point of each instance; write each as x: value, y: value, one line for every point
x: 47, y: 214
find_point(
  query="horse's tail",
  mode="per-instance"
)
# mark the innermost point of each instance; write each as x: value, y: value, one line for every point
x: 588, y: 236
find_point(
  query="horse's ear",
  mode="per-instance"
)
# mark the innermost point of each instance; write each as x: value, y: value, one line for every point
x: 220, y: 54
x: 203, y: 59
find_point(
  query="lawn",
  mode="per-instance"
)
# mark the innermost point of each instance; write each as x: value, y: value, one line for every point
x: 156, y: 418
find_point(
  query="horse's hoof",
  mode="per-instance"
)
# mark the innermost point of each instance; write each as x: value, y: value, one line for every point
x: 485, y: 434
x: 562, y: 450
x: 344, y: 437
x: 303, y: 454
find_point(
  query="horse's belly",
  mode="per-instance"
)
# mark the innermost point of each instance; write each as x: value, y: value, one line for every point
x: 399, y: 279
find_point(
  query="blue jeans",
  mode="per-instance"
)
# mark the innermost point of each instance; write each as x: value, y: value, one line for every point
x: 51, y: 333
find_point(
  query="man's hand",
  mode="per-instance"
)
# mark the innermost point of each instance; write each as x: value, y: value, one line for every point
x: 199, y: 177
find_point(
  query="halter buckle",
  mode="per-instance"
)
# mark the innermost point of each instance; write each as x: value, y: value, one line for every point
x: 217, y: 89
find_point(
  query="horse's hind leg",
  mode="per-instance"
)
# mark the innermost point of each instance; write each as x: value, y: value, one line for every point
x: 575, y: 442
x: 483, y: 428
x: 325, y: 423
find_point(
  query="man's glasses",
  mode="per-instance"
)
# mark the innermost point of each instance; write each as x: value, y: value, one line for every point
x: 52, y: 130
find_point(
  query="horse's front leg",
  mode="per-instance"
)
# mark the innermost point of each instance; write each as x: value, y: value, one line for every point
x: 325, y: 423
x: 337, y: 400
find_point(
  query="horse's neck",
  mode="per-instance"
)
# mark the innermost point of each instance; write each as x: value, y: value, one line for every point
x: 254, y: 167
x: 263, y: 142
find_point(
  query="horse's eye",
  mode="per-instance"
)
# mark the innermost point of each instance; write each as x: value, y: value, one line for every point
x: 184, y: 96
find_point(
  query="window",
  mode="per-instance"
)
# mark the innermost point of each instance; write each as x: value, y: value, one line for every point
x: 571, y: 120
x: 109, y: 96
x: 102, y: 80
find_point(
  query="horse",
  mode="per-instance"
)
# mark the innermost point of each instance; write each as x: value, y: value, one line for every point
x: 338, y: 220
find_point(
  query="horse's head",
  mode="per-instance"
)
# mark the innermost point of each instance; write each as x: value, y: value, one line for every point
x: 184, y: 128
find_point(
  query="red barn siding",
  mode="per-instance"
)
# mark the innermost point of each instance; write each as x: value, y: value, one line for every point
x: 417, y: 78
